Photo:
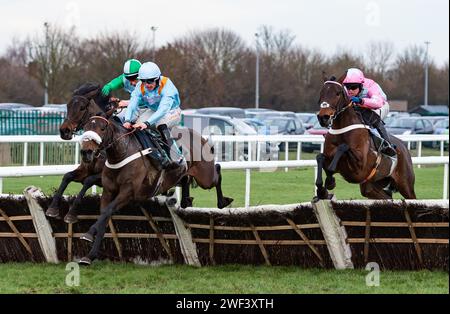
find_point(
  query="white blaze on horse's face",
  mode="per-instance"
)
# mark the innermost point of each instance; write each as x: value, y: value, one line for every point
x: 324, y: 105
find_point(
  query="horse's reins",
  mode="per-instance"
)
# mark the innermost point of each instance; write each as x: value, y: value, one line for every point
x: 114, y: 140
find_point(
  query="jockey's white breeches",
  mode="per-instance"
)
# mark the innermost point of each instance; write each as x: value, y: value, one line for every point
x: 383, y: 111
x: 171, y: 119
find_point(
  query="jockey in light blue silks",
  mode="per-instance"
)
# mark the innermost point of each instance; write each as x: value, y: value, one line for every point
x: 161, y: 109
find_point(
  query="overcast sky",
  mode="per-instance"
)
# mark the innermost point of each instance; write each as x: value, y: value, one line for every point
x: 324, y: 25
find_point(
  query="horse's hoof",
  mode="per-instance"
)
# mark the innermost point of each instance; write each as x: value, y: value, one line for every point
x: 52, y: 212
x: 171, y: 201
x: 225, y: 202
x: 85, y: 261
x: 186, y: 202
x: 87, y: 237
x: 70, y: 218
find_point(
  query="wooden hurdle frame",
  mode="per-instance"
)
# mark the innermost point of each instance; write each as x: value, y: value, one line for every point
x: 335, y: 237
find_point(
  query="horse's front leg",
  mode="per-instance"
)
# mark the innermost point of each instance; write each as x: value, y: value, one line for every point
x: 322, y: 192
x: 71, y: 216
x: 75, y: 175
x: 98, y: 229
x: 186, y: 199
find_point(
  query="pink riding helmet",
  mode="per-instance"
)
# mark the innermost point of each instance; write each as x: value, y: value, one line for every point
x: 354, y: 75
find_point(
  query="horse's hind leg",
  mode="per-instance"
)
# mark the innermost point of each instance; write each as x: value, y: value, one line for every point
x: 406, y: 189
x: 186, y: 200
x: 71, y: 216
x: 373, y: 191
x: 222, y: 201
x: 403, y: 176
x: 75, y: 175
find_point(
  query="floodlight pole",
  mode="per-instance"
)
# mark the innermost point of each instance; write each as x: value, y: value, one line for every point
x: 154, y: 28
x: 257, y: 72
x: 425, y: 101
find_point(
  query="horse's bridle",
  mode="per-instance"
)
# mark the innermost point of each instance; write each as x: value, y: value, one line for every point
x: 80, y: 124
x: 337, y: 112
x: 114, y: 140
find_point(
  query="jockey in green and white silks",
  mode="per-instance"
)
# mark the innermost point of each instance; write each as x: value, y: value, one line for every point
x: 127, y: 80
x: 161, y: 109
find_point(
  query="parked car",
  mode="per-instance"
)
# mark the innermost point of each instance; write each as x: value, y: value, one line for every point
x: 222, y: 125
x: 308, y: 119
x: 13, y: 106
x: 259, y: 126
x: 317, y: 129
x: 446, y: 142
x: 253, y: 112
x: 285, y: 126
x: 411, y: 125
x: 54, y: 108
x: 231, y: 112
x: 440, y: 127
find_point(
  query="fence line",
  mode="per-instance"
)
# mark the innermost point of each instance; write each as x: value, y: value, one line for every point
x: 301, y: 226
x: 248, y: 166
x: 218, y: 140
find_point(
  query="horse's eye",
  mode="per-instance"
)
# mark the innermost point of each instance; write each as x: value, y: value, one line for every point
x: 337, y: 94
x: 82, y: 108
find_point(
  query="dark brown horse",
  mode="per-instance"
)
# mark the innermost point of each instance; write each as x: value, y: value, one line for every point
x: 350, y: 151
x: 199, y: 153
x: 127, y: 176
x: 81, y: 107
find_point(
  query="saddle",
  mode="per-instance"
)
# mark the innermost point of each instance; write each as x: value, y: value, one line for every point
x: 378, y: 141
x: 151, y: 139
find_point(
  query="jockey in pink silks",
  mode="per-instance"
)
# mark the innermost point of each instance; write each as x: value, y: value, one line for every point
x: 367, y: 94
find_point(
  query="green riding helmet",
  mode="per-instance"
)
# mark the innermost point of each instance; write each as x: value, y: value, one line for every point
x: 131, y: 67
x: 130, y: 70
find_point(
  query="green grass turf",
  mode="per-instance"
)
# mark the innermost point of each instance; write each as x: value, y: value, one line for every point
x: 106, y: 277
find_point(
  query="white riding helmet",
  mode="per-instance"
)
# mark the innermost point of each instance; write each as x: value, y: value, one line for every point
x: 149, y: 70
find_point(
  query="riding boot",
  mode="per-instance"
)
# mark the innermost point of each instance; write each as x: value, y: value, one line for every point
x: 388, y: 148
x: 171, y: 149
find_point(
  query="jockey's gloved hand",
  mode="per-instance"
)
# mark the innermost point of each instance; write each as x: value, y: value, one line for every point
x: 106, y: 90
x: 357, y: 100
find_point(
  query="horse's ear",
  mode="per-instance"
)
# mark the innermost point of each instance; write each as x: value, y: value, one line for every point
x: 342, y: 78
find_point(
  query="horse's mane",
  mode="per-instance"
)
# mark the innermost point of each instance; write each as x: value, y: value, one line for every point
x: 86, y: 88
x: 94, y: 90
